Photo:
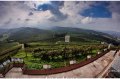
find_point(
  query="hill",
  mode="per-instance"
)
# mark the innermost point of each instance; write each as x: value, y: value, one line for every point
x: 3, y: 31
x: 113, y: 33
x: 26, y: 34
x: 86, y: 35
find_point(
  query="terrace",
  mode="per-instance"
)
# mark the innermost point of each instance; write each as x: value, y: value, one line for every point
x: 90, y: 70
x: 55, y: 59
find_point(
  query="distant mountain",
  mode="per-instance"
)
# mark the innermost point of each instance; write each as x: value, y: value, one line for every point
x: 84, y: 34
x: 3, y: 36
x: 3, y: 31
x: 26, y: 34
x: 113, y: 33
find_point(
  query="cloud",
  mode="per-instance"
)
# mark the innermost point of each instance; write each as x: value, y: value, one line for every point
x: 75, y: 7
x: 12, y: 10
x: 31, y: 13
x: 67, y: 14
x: 86, y: 20
x: 53, y: 7
x: 114, y: 7
x: 8, y: 22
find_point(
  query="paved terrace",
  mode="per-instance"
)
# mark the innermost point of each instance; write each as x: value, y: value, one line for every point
x: 113, y: 71
x: 91, y: 70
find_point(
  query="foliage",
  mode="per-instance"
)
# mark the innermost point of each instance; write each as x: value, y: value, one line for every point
x: 8, y: 53
x: 56, y: 55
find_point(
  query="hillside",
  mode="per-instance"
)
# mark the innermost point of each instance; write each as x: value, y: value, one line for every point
x: 3, y: 31
x: 113, y: 33
x: 78, y: 34
x: 26, y: 34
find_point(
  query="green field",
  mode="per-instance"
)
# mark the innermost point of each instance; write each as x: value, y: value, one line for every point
x: 53, y: 55
x: 4, y: 46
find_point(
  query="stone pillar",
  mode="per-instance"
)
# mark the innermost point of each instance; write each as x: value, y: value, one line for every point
x: 98, y: 52
x: 104, y: 49
x: 109, y: 46
x: 23, y: 47
x: 89, y: 56
x: 67, y: 38
x: 46, y: 66
x: 72, y: 61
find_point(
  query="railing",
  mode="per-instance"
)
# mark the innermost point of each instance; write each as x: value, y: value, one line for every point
x: 7, y: 53
x: 9, y: 67
x: 54, y: 70
x: 10, y: 50
x: 6, y: 69
x: 18, y: 64
x: 62, y: 69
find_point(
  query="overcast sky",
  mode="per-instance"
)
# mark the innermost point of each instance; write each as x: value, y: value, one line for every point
x: 89, y: 15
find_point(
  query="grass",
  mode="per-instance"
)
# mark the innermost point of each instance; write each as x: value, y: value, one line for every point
x: 37, y: 63
x: 20, y: 54
x: 5, y: 46
x: 94, y: 52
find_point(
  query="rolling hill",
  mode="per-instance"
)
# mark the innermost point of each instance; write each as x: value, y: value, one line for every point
x: 3, y: 31
x: 79, y: 34
x: 27, y: 34
x: 113, y: 33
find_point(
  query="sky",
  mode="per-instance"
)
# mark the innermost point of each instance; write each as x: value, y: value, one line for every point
x: 94, y: 15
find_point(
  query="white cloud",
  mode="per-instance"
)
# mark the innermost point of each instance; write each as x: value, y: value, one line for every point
x: 114, y: 7
x: 18, y: 14
x: 35, y: 4
x: 75, y: 7
x: 86, y: 20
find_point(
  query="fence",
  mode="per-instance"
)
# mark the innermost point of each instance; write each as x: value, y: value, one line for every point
x: 9, y: 52
x: 18, y: 65
x: 51, y: 71
x: 9, y: 67
x: 63, y: 69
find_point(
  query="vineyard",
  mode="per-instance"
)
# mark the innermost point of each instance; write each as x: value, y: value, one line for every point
x: 4, y: 55
x: 44, y: 55
x: 4, y: 46
x: 56, y: 55
x: 5, y: 58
